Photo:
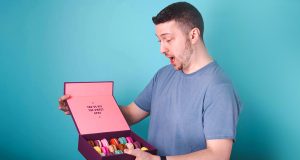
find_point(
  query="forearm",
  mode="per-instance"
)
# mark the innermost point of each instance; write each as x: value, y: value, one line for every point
x: 127, y: 116
x: 205, y: 154
x: 132, y: 113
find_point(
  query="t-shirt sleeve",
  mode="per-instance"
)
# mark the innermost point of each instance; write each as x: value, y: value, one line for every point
x: 221, y: 111
x: 144, y: 98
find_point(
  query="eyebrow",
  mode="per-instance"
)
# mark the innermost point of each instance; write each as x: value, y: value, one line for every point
x: 163, y: 34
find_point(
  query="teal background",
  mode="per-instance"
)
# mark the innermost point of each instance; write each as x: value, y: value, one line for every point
x: 45, y: 43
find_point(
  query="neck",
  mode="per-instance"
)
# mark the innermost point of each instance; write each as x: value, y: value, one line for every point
x: 198, y: 60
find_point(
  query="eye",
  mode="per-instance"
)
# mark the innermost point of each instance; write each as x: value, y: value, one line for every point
x: 168, y: 40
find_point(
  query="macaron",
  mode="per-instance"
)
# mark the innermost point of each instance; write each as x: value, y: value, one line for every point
x: 114, y: 141
x: 111, y: 149
x: 98, y: 143
x: 102, y: 154
x: 122, y: 140
x: 121, y: 147
x: 91, y: 143
x: 114, y: 146
x: 98, y: 149
x: 118, y: 152
x: 105, y: 150
x: 137, y: 144
x: 129, y: 139
x: 129, y: 145
x: 104, y: 142
x: 144, y: 149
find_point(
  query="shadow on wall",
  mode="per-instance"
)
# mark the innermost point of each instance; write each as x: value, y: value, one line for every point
x: 8, y: 155
x: 255, y: 132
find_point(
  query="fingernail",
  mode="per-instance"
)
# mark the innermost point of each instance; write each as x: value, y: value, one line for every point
x: 125, y: 150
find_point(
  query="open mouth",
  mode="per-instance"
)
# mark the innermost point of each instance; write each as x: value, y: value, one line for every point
x: 172, y: 60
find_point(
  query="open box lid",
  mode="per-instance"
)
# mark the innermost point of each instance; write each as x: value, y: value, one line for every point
x: 94, y: 108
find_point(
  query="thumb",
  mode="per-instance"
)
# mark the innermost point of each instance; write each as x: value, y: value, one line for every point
x: 128, y: 151
x: 131, y: 152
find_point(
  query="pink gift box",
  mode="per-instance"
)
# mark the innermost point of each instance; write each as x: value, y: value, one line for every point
x: 96, y: 115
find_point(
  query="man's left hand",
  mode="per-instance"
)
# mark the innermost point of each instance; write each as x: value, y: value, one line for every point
x: 141, y: 155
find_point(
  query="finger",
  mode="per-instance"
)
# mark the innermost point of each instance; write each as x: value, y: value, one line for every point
x: 63, y: 101
x: 128, y: 151
x: 67, y: 112
x: 133, y: 152
x: 64, y: 97
x: 65, y: 108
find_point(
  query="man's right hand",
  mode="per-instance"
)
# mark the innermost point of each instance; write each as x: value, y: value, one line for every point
x: 63, y: 105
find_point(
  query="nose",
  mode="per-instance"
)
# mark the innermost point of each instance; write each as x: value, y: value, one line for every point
x: 163, y: 48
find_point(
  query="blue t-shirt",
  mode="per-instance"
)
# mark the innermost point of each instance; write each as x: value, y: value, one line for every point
x: 188, y: 109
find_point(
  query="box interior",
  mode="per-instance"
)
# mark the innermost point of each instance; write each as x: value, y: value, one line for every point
x: 89, y: 152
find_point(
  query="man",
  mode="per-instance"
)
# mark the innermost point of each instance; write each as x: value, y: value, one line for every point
x: 192, y: 105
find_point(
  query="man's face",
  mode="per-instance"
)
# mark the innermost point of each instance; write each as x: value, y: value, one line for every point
x: 174, y: 43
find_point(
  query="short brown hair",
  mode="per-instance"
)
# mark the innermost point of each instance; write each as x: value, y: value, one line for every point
x: 183, y: 13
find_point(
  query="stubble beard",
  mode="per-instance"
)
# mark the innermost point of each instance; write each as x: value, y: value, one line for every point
x: 186, y: 56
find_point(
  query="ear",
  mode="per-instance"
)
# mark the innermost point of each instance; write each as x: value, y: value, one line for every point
x: 194, y: 35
